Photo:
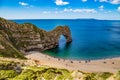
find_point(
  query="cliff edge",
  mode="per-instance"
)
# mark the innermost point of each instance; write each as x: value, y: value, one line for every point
x: 26, y: 37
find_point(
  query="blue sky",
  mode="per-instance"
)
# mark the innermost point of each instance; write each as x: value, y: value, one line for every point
x: 60, y: 9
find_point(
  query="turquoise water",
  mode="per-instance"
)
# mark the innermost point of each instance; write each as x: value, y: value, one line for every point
x: 92, y: 39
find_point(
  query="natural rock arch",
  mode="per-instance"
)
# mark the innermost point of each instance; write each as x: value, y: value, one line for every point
x: 61, y: 30
x: 27, y: 36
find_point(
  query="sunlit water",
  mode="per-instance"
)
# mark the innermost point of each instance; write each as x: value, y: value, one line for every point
x: 92, y: 39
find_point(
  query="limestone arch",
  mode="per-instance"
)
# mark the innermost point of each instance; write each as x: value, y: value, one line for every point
x: 65, y: 31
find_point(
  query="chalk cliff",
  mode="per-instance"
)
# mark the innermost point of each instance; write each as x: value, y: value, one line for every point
x: 26, y: 37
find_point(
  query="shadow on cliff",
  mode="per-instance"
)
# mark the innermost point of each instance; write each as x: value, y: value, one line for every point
x: 59, y: 50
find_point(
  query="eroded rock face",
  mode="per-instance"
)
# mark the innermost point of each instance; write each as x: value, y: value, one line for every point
x: 27, y: 36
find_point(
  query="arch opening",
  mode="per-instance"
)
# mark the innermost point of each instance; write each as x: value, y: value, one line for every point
x: 62, y: 42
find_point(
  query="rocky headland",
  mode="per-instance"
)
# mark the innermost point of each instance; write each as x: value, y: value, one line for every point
x: 19, y: 38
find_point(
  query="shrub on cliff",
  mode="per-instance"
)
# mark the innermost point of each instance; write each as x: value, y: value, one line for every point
x: 117, y: 76
x: 7, y: 74
x: 103, y: 76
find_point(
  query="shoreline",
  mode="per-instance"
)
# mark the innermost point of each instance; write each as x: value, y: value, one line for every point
x: 102, y: 65
x: 72, y: 59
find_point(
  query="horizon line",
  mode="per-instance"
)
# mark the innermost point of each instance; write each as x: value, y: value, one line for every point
x: 59, y: 19
x: 64, y: 19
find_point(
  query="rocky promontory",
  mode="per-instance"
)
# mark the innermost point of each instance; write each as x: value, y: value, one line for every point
x: 18, y: 38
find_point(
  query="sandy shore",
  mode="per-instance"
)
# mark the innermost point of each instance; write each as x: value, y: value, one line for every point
x: 104, y: 65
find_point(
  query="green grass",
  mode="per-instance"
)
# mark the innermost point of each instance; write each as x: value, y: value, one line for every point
x: 103, y: 76
x: 9, y: 50
x: 7, y: 72
x: 89, y: 76
x: 117, y: 76
x: 8, y: 65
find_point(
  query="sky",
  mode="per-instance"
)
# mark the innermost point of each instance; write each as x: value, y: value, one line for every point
x: 60, y: 9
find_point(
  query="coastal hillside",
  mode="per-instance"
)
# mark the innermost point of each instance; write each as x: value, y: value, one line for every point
x: 7, y: 49
x: 14, y: 69
x: 15, y: 39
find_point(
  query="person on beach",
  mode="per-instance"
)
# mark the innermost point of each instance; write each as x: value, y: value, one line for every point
x: 71, y: 61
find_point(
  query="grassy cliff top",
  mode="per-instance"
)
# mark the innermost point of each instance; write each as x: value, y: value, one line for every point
x: 10, y: 70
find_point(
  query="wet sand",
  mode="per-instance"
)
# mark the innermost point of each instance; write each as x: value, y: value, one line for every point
x: 104, y: 65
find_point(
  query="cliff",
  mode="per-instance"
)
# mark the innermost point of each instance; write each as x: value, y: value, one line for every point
x: 25, y: 37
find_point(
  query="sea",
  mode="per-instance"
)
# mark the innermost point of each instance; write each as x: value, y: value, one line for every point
x: 92, y: 39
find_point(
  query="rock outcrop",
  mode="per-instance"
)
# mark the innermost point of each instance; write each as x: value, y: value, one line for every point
x: 26, y: 37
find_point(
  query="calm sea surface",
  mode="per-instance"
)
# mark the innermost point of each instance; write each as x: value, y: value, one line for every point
x: 92, y: 39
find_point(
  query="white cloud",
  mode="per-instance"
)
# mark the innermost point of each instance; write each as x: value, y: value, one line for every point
x: 103, y: 0
x: 61, y: 2
x: 118, y: 9
x: 46, y: 12
x: 84, y: 0
x: 107, y: 12
x: 52, y: 12
x: 115, y: 1
x: 111, y: 1
x: 23, y: 3
x: 80, y: 10
x: 101, y: 7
